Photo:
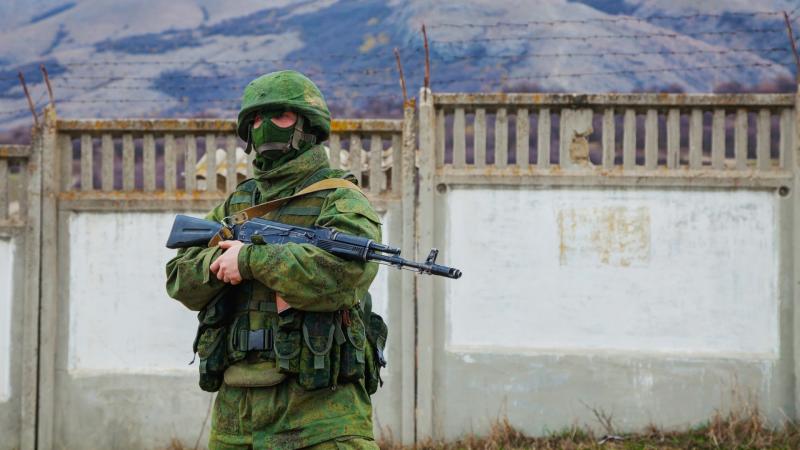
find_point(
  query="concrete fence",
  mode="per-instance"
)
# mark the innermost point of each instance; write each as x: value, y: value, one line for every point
x: 632, y: 253
x: 645, y: 278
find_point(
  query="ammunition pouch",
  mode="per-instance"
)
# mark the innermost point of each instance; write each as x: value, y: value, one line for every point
x: 209, y: 343
x: 325, y: 349
x: 353, y: 349
x: 319, y: 360
x: 322, y: 349
x: 288, y: 341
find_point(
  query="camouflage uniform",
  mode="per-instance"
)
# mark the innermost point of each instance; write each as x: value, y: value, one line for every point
x: 251, y: 413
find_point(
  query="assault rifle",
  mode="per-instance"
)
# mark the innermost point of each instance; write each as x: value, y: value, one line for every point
x: 191, y: 232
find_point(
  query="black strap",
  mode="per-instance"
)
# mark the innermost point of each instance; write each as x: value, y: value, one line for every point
x: 255, y: 340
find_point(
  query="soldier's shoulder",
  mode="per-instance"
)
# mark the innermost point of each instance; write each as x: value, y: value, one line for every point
x: 243, y: 194
x: 346, y: 200
x: 248, y: 185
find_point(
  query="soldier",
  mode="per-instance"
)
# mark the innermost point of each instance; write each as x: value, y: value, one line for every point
x: 283, y: 328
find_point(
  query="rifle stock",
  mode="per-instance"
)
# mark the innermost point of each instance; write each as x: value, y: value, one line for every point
x: 190, y: 231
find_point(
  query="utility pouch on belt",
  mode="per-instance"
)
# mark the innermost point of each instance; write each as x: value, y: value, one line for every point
x: 377, y: 333
x: 353, y: 360
x: 319, y: 358
x: 324, y: 349
x: 289, y: 341
x: 209, y: 342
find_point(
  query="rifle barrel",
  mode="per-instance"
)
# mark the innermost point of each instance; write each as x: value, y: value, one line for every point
x: 430, y: 269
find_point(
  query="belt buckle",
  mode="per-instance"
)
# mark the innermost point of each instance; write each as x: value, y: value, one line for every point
x: 255, y: 340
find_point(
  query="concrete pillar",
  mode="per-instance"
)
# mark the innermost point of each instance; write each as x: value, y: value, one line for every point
x: 48, y: 320
x: 425, y: 225
x: 794, y: 166
x: 408, y: 282
x: 30, y: 314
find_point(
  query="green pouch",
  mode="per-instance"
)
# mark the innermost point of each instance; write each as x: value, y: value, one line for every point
x: 377, y: 333
x: 215, y: 312
x: 212, y: 355
x: 288, y: 341
x: 353, y: 358
x: 316, y: 369
x: 208, y: 342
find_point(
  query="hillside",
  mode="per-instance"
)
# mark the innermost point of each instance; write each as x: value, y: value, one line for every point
x: 193, y: 57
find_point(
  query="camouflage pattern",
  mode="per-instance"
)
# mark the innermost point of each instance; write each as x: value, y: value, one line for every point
x: 286, y: 89
x: 286, y: 416
x: 346, y: 443
x: 308, y: 278
x: 289, y: 417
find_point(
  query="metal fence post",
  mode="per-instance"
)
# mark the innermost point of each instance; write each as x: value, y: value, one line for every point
x: 30, y: 311
x: 48, y: 316
x: 408, y: 297
x: 425, y: 224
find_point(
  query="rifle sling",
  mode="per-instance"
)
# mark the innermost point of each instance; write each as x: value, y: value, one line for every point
x: 264, y: 208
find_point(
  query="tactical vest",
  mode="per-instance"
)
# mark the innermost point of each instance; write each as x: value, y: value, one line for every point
x: 320, y: 349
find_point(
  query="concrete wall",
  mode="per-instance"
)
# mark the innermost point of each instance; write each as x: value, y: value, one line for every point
x: 648, y: 304
x: 627, y: 271
x: 11, y: 295
x: 649, y: 291
x: 126, y: 345
x: 7, y: 260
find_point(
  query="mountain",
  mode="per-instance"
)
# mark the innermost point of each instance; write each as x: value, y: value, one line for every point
x: 193, y: 57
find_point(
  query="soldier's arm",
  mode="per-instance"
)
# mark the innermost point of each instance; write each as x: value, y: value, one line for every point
x: 309, y: 278
x: 189, y: 279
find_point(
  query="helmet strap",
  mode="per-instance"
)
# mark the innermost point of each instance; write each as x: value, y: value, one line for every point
x: 249, y: 147
x: 298, y: 137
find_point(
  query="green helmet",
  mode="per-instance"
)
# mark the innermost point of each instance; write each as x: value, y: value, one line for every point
x: 289, y: 90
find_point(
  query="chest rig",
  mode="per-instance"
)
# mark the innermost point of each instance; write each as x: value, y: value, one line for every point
x: 253, y: 304
x: 242, y: 324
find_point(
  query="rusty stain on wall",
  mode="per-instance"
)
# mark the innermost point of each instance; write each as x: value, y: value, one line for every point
x: 615, y: 236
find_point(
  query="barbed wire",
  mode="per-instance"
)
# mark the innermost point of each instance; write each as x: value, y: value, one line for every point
x: 38, y: 101
x: 540, y: 76
x: 329, y: 56
x: 236, y: 101
x: 226, y: 86
x: 665, y: 17
x: 239, y: 76
x: 389, y: 71
x: 606, y: 36
x: 605, y: 54
x: 201, y: 62
x: 369, y: 72
x: 111, y: 82
x: 15, y: 112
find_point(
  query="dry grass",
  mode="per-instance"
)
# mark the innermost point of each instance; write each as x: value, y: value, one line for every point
x: 742, y: 428
x: 176, y: 444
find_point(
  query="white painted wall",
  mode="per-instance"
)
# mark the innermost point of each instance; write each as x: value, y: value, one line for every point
x: 121, y: 319
x: 572, y: 270
x: 7, y: 259
x: 380, y: 286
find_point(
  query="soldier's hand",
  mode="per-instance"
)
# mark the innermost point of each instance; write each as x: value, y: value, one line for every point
x: 226, y: 266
